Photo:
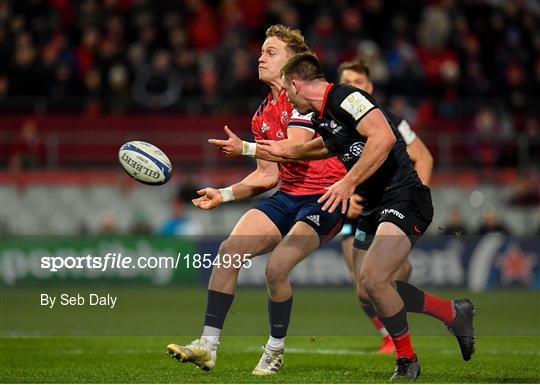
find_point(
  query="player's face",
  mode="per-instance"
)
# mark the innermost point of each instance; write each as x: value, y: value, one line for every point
x: 294, y: 95
x: 274, y: 55
x: 357, y: 80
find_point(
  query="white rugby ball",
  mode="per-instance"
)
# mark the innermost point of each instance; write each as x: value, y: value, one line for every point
x: 145, y: 162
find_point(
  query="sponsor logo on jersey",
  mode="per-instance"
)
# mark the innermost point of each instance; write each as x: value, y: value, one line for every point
x: 335, y: 128
x: 356, y: 105
x: 280, y: 134
x: 284, y: 117
x: 264, y: 127
x: 393, y: 212
x: 314, y: 218
x: 355, y: 150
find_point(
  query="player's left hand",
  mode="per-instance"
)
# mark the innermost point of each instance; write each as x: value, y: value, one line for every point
x: 339, y: 192
x: 230, y: 147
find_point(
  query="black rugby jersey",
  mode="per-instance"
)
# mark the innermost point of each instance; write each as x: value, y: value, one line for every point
x: 343, y: 107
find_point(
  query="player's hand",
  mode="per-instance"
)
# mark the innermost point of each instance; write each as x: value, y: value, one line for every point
x: 209, y: 198
x: 231, y: 146
x: 339, y: 192
x: 273, y: 148
x: 355, y: 206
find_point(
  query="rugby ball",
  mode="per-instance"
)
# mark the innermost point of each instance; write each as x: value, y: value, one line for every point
x: 145, y: 162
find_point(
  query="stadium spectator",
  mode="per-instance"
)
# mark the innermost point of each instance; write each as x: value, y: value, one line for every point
x: 27, y: 151
x: 485, y: 131
x: 140, y: 225
x: 455, y: 224
x: 107, y: 224
x: 525, y: 192
x: 491, y: 223
x: 157, y: 86
x: 179, y: 223
x: 119, y: 100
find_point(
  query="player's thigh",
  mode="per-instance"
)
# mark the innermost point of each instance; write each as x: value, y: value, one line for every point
x: 387, y: 252
x: 254, y: 234
x: 299, y: 242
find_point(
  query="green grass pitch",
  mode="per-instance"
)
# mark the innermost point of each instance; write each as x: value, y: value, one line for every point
x: 330, y: 340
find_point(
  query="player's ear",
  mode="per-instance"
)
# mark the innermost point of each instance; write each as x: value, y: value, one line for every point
x: 369, y: 88
x: 296, y: 86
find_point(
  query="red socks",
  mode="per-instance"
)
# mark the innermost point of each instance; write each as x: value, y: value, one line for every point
x: 403, y: 345
x: 442, y: 309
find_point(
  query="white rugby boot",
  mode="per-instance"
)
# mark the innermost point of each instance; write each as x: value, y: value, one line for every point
x: 270, y: 362
x: 199, y: 352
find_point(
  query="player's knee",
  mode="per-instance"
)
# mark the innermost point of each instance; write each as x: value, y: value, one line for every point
x: 361, y: 292
x: 371, y: 281
x: 407, y: 270
x: 275, y: 276
x: 225, y: 247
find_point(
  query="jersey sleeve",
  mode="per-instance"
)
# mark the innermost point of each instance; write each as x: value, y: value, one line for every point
x: 256, y: 128
x: 354, y: 105
x: 299, y: 120
x: 406, y: 132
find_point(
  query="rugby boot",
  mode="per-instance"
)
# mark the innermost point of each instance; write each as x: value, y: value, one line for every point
x: 199, y: 352
x: 406, y: 368
x: 462, y: 326
x: 270, y: 363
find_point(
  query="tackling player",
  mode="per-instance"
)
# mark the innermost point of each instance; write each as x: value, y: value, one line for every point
x: 397, y: 210
x: 290, y: 223
x: 356, y: 73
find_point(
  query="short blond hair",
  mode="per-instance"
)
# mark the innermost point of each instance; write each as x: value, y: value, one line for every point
x: 292, y: 37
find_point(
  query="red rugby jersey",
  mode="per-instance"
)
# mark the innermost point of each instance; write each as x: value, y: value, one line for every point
x: 300, y: 178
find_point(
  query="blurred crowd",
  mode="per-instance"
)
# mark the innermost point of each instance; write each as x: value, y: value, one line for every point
x: 100, y: 56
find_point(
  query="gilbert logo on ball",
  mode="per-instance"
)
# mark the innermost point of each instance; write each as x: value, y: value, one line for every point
x: 145, y: 162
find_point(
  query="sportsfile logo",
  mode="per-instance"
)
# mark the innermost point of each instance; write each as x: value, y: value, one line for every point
x: 394, y: 212
x: 139, y: 167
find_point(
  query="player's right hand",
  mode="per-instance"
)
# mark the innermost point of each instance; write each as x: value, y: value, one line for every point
x: 355, y: 206
x: 210, y: 198
x: 230, y: 147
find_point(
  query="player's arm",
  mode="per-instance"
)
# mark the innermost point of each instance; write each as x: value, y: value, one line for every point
x: 422, y: 159
x: 296, y: 136
x: 379, y: 141
x: 418, y: 152
x: 312, y: 150
x: 234, y: 146
x: 264, y: 178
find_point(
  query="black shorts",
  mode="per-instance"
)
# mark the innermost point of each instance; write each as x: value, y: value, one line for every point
x: 286, y: 209
x: 409, y: 208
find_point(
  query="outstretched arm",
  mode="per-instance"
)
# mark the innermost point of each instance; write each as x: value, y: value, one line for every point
x: 264, y: 178
x: 296, y: 136
x: 314, y: 149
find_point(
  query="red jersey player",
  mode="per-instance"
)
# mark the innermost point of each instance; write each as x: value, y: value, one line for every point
x: 290, y: 223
